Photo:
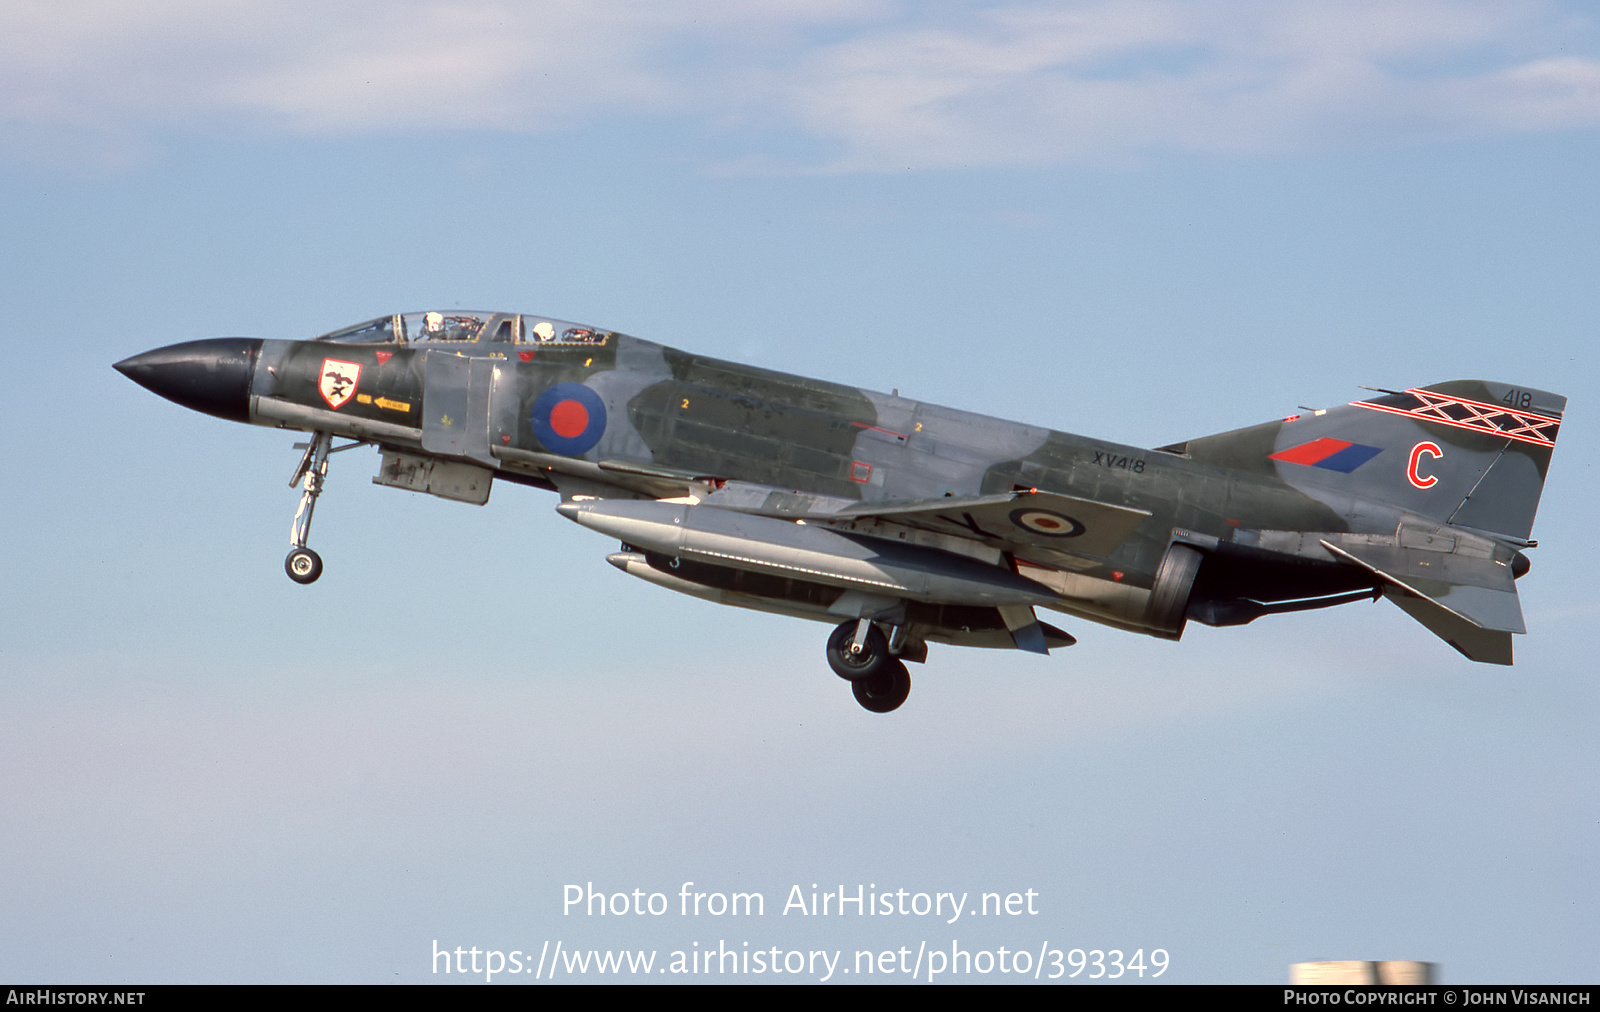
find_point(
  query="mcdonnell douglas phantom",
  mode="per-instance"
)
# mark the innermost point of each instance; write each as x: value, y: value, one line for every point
x: 906, y: 523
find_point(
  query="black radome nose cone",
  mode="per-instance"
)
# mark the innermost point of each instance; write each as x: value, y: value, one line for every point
x: 210, y: 376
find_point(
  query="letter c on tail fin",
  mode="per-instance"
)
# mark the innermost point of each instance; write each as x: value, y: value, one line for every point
x: 1417, y: 452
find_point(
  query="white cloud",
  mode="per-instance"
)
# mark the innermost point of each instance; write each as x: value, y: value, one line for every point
x: 1101, y: 81
x: 860, y: 84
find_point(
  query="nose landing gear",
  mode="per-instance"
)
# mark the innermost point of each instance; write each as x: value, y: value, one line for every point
x: 303, y: 565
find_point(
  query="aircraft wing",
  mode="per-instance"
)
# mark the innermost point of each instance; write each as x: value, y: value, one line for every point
x: 1019, y: 519
x: 1025, y: 518
x: 1469, y: 602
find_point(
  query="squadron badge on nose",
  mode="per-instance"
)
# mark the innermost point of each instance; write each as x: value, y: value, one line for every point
x: 338, y: 381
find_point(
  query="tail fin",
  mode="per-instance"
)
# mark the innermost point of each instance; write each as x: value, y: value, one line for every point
x: 1467, y: 452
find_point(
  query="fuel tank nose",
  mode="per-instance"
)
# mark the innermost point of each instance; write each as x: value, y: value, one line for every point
x: 212, y: 376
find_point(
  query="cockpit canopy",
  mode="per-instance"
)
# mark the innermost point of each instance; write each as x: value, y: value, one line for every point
x: 459, y: 326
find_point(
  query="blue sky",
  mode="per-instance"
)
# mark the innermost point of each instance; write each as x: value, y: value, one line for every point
x: 1140, y: 221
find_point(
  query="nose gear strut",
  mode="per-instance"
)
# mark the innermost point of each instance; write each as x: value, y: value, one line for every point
x: 303, y: 565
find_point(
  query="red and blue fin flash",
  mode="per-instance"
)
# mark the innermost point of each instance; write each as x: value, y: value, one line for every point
x: 1329, y: 454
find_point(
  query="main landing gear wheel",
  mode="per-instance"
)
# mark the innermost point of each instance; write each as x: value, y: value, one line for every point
x: 852, y: 661
x: 885, y: 690
x: 303, y: 565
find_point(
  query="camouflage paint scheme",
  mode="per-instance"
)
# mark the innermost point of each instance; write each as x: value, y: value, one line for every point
x: 907, y: 522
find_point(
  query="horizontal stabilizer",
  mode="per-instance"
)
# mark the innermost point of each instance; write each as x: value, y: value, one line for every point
x: 1470, y: 603
x: 1475, y: 643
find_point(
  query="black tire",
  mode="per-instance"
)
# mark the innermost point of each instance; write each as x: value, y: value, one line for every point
x: 851, y: 666
x: 303, y: 565
x: 886, y: 690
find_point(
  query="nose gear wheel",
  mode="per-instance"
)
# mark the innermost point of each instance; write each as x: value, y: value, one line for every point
x: 303, y: 565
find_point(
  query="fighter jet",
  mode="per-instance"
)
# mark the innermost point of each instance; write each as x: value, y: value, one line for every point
x: 903, y: 523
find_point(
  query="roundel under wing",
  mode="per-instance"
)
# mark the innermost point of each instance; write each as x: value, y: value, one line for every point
x: 569, y: 419
x: 1048, y: 523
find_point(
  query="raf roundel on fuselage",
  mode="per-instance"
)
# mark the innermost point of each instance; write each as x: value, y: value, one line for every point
x: 569, y: 419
